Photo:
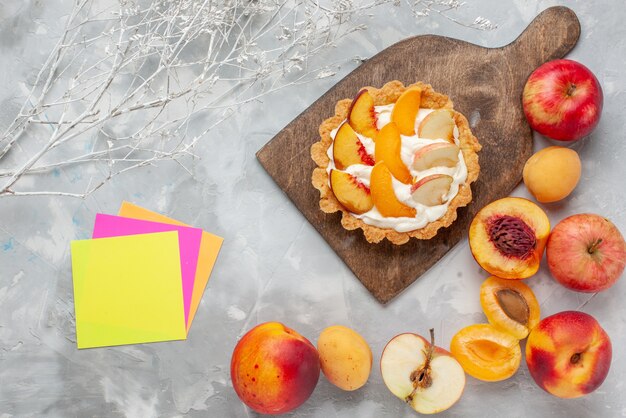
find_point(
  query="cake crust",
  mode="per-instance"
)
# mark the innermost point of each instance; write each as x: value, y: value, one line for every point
x: 388, y: 94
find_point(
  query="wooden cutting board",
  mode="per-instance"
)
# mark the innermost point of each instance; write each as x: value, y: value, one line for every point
x: 485, y: 85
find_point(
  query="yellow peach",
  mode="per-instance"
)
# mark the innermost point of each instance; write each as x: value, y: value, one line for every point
x: 568, y: 354
x: 552, y: 173
x: 345, y: 357
x: 274, y: 369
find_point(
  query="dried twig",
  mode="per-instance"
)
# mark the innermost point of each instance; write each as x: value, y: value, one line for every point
x: 130, y: 60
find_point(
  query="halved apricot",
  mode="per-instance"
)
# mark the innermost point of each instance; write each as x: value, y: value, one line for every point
x: 486, y: 353
x: 361, y: 115
x: 510, y: 306
x: 384, y: 196
x: 405, y: 110
x: 387, y: 149
x: 507, y: 237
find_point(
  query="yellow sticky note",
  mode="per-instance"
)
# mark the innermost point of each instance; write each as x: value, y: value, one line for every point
x: 209, y: 248
x: 128, y: 290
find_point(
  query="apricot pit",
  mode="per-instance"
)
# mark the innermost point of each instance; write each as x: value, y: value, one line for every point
x: 510, y: 306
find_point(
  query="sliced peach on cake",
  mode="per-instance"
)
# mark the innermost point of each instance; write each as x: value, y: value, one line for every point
x: 384, y: 196
x: 439, y: 124
x: 350, y: 192
x: 405, y: 110
x: 507, y: 237
x: 510, y: 306
x: 388, y: 146
x: 348, y: 149
x: 486, y: 353
x: 361, y: 115
x: 440, y: 154
x: 431, y: 190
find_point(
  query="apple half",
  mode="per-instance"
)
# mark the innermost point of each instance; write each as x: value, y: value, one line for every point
x: 424, y: 376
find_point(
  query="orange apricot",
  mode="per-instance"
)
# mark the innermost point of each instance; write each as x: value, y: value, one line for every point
x: 507, y: 237
x: 384, y: 196
x: 552, y: 173
x: 486, y: 353
x: 387, y: 149
x: 405, y: 110
x: 510, y: 306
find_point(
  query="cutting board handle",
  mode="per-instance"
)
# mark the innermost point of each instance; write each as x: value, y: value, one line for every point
x: 551, y: 35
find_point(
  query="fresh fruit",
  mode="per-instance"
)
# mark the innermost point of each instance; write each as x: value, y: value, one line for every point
x: 431, y: 190
x: 350, y: 192
x: 486, y: 353
x: 348, y: 149
x: 507, y: 237
x: 405, y: 110
x: 361, y: 115
x: 568, y: 354
x: 552, y: 173
x: 426, y: 377
x: 438, y: 124
x: 387, y: 149
x: 510, y: 306
x: 345, y: 357
x: 274, y: 369
x: 562, y: 99
x: 439, y: 154
x: 384, y: 196
x: 586, y: 253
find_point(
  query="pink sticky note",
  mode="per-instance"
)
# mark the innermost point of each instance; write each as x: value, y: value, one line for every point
x: 188, y: 241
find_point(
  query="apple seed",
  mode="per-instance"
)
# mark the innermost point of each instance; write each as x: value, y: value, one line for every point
x: 421, y: 377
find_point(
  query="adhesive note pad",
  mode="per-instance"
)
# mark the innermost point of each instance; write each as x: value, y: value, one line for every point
x: 127, y: 290
x: 188, y: 239
x: 209, y: 248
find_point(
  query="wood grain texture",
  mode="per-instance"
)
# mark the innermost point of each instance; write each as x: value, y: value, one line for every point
x: 485, y: 85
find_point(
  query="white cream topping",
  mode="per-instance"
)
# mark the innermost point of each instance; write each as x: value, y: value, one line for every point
x: 410, y: 144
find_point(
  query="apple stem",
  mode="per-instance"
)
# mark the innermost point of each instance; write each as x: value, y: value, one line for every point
x: 592, y: 249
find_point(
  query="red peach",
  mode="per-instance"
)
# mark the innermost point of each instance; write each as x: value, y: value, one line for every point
x: 568, y: 354
x: 274, y: 369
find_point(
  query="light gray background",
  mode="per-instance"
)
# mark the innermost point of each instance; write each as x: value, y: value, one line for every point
x: 274, y: 266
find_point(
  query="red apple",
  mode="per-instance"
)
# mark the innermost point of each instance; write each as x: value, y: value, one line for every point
x: 426, y: 377
x: 568, y: 354
x: 562, y: 100
x: 586, y: 253
x: 274, y: 369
